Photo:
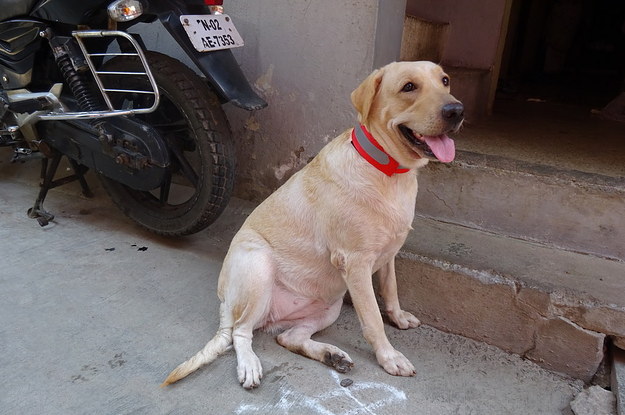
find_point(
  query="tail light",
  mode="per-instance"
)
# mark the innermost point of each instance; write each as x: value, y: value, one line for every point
x: 215, y: 6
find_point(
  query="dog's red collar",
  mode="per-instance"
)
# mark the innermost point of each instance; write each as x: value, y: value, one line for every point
x: 372, y: 151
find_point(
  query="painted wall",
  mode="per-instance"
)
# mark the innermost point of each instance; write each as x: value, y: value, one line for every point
x: 305, y: 58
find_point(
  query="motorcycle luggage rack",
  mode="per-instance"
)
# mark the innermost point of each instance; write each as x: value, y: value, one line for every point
x: 80, y: 35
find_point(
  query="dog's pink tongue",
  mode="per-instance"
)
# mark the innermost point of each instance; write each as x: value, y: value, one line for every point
x: 442, y: 146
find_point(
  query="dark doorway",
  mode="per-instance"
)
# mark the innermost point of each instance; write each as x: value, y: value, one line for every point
x: 563, y: 63
x: 568, y: 51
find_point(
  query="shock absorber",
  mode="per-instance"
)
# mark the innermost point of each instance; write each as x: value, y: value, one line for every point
x: 74, y: 70
x: 79, y: 84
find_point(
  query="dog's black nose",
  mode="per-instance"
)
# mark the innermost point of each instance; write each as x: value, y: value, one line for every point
x: 453, y: 112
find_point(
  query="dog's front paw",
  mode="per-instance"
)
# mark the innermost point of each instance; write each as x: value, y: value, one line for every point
x: 395, y: 363
x: 250, y: 372
x: 403, y: 319
x: 340, y: 361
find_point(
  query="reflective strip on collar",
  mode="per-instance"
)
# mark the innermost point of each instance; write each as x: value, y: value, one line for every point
x: 372, y: 151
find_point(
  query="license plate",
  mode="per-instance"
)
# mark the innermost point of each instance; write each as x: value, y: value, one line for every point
x: 209, y: 32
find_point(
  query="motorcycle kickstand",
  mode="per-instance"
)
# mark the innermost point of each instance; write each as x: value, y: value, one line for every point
x: 47, y: 182
x: 79, y: 174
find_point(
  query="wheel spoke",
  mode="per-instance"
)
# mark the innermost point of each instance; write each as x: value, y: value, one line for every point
x: 185, y: 166
x: 170, y: 127
x: 165, y: 187
x: 187, y: 169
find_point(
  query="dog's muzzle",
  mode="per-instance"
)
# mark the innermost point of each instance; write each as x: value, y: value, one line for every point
x: 439, y: 147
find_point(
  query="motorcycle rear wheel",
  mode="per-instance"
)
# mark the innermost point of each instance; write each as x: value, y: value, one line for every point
x: 190, y: 118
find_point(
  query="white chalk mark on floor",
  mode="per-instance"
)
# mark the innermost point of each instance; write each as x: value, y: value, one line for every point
x: 355, y: 400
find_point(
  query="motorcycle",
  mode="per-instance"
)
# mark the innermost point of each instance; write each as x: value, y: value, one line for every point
x: 75, y: 83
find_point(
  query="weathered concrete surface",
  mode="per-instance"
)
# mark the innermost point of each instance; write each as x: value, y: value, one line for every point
x: 569, y: 209
x: 594, y: 401
x: 305, y: 58
x: 552, y: 306
x: 562, y: 345
x: 88, y: 329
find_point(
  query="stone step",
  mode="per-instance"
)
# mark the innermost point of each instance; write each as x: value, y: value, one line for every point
x: 552, y: 306
x: 569, y: 209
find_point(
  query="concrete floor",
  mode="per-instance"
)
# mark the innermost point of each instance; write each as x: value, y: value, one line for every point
x: 94, y: 313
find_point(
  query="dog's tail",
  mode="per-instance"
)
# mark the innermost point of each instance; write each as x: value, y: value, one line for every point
x: 213, y: 349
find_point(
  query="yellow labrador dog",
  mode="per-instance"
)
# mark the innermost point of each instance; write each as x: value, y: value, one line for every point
x: 332, y: 225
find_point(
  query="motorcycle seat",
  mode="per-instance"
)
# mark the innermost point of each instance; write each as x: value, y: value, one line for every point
x: 15, y: 8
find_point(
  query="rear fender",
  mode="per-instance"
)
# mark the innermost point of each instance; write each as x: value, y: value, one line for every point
x: 220, y: 67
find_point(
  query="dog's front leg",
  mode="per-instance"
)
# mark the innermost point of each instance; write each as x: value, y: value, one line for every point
x: 357, y: 275
x: 388, y: 289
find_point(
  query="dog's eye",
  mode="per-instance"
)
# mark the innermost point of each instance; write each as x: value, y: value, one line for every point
x: 409, y: 87
x: 446, y: 80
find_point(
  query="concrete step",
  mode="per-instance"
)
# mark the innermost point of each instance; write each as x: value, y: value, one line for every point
x: 552, y: 306
x: 569, y: 209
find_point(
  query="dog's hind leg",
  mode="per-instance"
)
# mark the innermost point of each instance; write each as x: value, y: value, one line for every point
x: 247, y: 294
x: 215, y: 347
x: 298, y: 340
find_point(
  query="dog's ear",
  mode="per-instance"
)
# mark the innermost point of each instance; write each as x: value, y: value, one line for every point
x: 364, y: 95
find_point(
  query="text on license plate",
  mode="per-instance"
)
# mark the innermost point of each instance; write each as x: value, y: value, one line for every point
x: 211, y: 31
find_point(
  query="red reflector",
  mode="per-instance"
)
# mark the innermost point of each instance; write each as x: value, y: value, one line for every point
x: 214, y: 2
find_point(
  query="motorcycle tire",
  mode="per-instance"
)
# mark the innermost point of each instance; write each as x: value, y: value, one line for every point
x: 201, y: 174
